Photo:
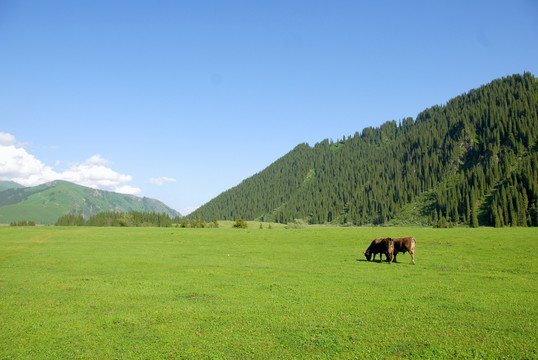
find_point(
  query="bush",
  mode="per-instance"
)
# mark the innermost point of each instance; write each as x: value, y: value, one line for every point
x: 240, y: 223
x: 296, y: 224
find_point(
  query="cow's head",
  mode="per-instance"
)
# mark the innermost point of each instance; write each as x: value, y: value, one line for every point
x: 390, y: 249
x: 368, y: 255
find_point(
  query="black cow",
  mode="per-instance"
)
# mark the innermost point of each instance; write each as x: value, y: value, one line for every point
x: 380, y: 246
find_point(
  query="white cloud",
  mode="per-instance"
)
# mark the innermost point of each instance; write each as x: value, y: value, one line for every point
x: 18, y: 165
x: 187, y: 210
x: 97, y: 160
x: 6, y: 139
x: 128, y: 189
x: 90, y: 173
x: 160, y: 181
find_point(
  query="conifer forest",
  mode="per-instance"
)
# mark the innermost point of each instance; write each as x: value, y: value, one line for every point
x: 472, y: 161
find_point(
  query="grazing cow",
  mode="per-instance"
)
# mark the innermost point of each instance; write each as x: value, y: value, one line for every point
x: 380, y: 246
x: 403, y: 245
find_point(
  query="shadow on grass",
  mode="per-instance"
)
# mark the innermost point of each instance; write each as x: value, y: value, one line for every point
x: 375, y: 261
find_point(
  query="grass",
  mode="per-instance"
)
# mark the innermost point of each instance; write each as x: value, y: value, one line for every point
x: 104, y: 293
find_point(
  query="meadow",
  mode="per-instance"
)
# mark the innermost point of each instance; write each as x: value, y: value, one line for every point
x: 172, y: 293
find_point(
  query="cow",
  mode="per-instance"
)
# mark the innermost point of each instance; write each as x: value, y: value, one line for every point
x: 403, y: 245
x: 380, y: 246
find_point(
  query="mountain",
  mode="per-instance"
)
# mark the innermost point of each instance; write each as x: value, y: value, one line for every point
x: 45, y: 203
x: 472, y: 161
x: 4, y: 185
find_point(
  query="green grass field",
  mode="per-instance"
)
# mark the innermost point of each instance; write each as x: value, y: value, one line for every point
x: 122, y: 293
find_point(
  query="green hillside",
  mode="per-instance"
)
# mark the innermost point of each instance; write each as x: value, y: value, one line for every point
x: 45, y: 203
x: 472, y: 161
x: 5, y: 185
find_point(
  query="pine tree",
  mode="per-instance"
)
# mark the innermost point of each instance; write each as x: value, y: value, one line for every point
x: 474, y: 213
x: 496, y: 218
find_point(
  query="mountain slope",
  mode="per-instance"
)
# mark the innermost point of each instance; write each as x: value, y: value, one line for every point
x: 45, y: 203
x: 472, y: 161
x: 263, y: 192
x: 5, y: 185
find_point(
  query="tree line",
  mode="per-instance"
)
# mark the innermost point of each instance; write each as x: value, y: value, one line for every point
x: 128, y: 219
x: 472, y: 161
x: 22, y: 223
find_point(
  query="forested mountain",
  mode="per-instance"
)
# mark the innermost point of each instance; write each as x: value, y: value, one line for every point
x: 45, y: 203
x: 472, y: 161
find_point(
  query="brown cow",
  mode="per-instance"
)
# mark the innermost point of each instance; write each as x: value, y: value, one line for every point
x: 403, y: 245
x: 380, y: 246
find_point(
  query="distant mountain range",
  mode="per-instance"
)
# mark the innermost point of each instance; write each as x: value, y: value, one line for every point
x: 45, y: 203
x: 472, y: 161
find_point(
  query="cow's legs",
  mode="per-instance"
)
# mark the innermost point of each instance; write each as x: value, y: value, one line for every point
x: 412, y: 251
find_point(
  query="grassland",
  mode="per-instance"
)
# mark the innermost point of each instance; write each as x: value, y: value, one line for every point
x: 110, y: 293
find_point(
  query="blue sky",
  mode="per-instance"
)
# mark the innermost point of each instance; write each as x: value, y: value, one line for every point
x: 182, y: 100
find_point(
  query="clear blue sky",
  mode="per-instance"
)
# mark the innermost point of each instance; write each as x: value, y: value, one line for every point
x: 182, y: 100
